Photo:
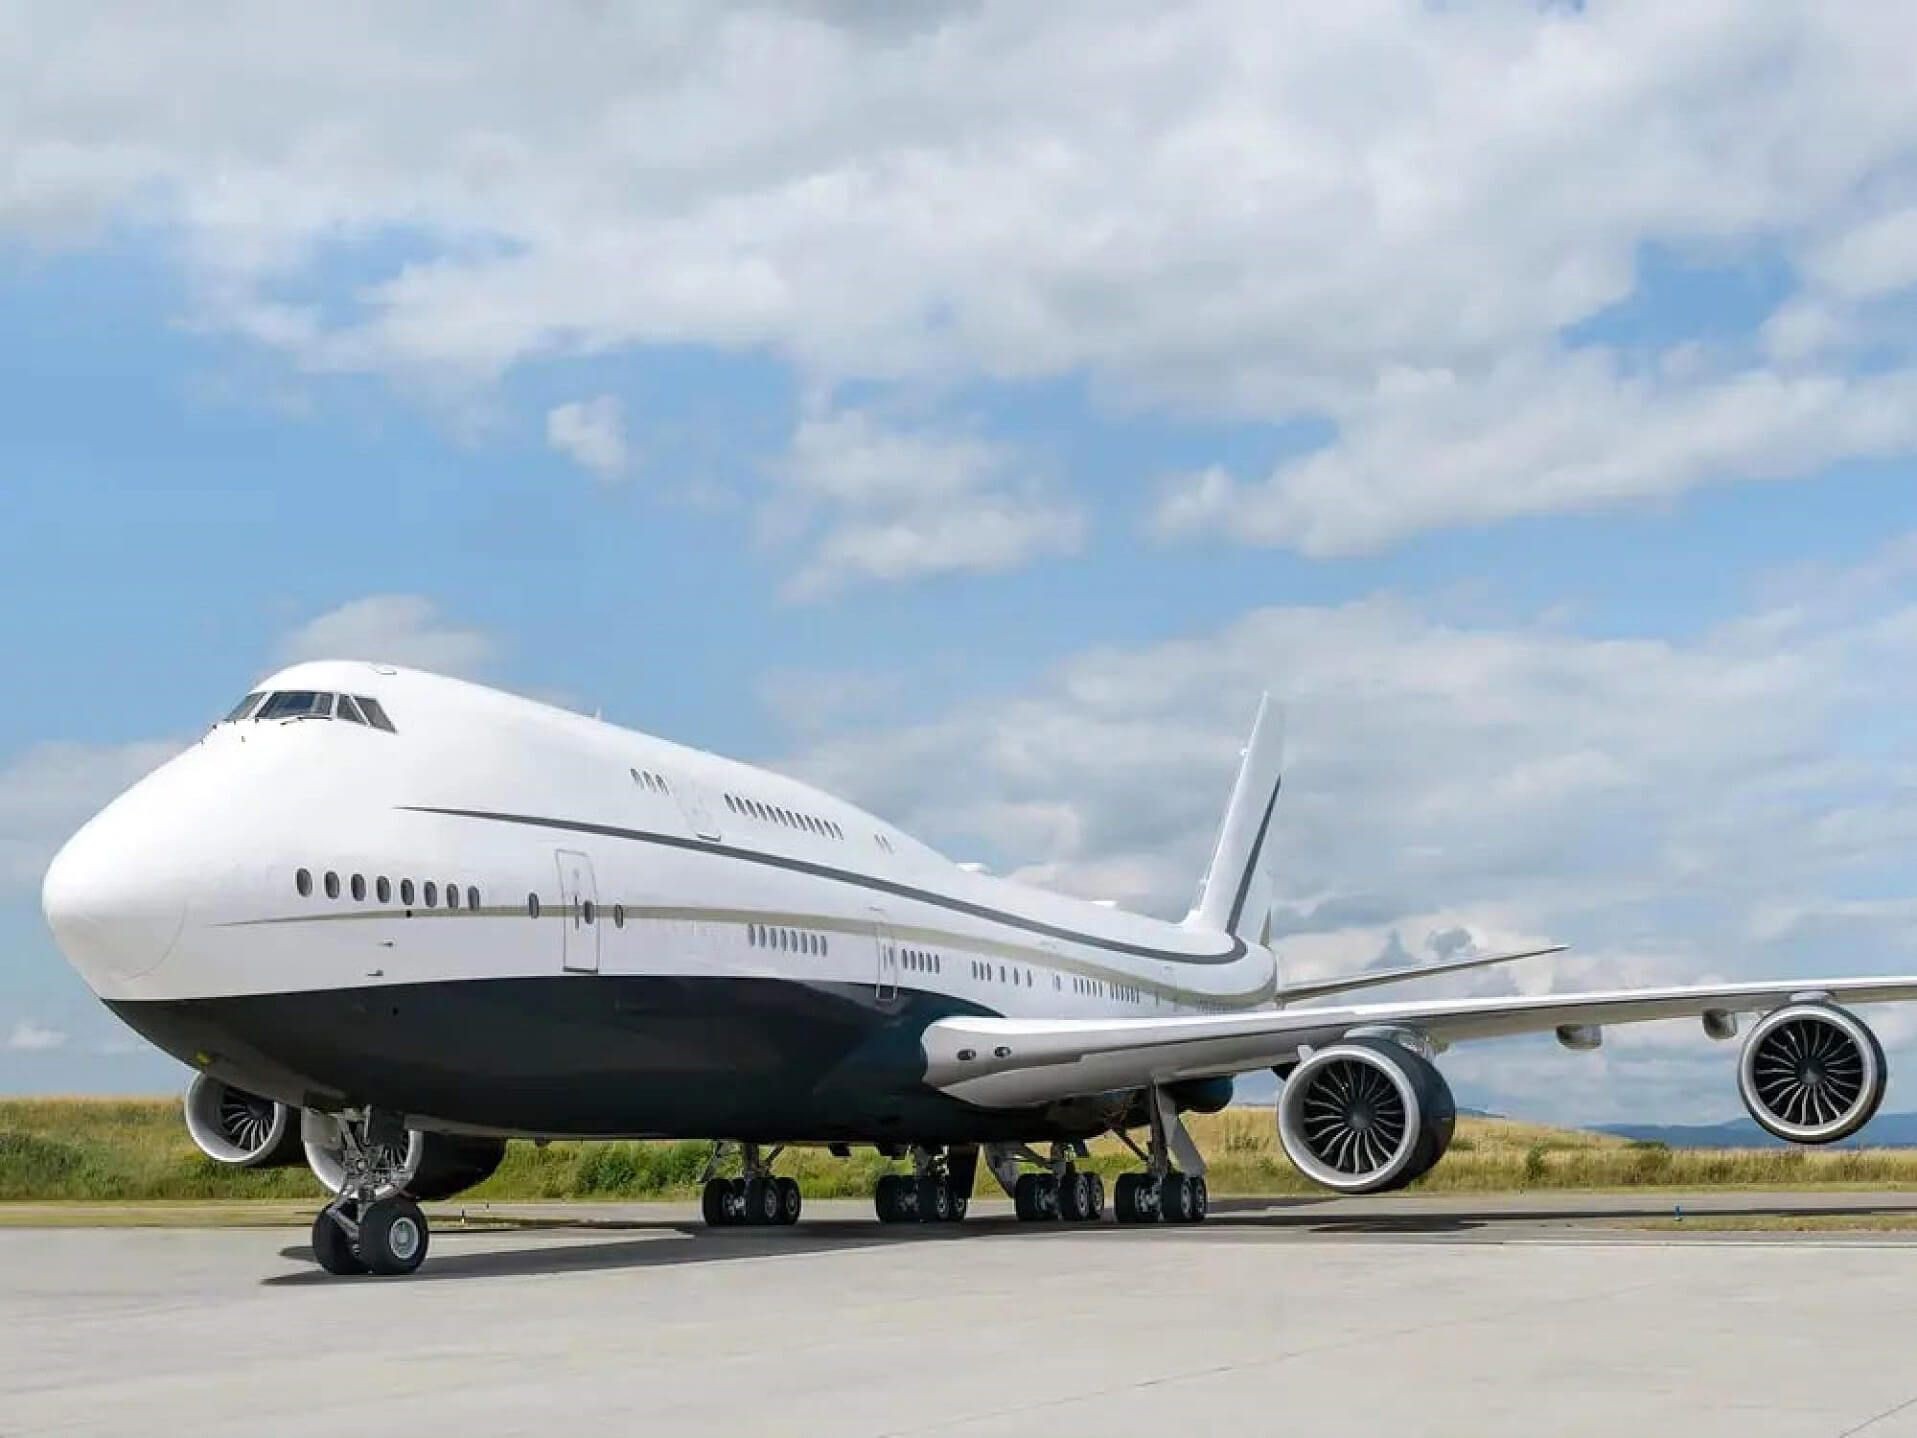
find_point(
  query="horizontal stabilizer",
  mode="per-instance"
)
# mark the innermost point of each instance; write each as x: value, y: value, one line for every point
x: 1371, y: 978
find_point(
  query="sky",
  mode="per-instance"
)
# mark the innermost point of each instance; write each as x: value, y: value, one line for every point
x: 972, y: 407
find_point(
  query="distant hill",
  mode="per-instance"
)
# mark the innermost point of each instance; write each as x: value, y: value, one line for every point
x: 1887, y: 1130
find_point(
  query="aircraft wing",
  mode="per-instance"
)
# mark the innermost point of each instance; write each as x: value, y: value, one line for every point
x: 1373, y: 978
x: 1009, y: 1063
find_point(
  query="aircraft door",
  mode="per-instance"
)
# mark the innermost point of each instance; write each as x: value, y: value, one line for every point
x: 887, y: 983
x: 579, y: 912
x: 701, y: 817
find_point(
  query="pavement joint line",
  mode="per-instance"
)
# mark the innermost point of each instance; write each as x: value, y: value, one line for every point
x: 1872, y: 1422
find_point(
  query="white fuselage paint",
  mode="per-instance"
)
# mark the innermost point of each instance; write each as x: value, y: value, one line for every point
x: 185, y: 887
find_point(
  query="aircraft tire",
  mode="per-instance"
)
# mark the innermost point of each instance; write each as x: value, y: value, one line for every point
x: 393, y: 1237
x: 332, y: 1249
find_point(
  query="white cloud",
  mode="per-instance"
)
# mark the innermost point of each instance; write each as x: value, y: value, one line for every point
x: 1205, y: 205
x: 31, y: 1037
x: 50, y: 789
x: 1877, y: 257
x: 1545, y: 434
x: 903, y: 504
x: 591, y: 433
x: 392, y: 628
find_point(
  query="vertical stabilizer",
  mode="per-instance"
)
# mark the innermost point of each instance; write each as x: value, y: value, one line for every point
x: 1235, y: 899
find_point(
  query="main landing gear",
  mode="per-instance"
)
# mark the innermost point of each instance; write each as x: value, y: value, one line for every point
x: 1060, y: 1191
x: 756, y: 1197
x: 1171, y: 1189
x: 1162, y: 1193
x: 371, y: 1226
x: 939, y: 1189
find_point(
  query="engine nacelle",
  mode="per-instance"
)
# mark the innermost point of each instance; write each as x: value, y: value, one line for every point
x: 233, y: 1126
x: 435, y: 1165
x: 1811, y: 1073
x: 1365, y: 1116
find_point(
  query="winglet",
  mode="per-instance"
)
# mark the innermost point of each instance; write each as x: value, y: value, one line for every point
x: 1231, y: 900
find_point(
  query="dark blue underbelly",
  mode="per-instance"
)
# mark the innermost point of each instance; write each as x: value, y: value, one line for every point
x: 598, y: 1056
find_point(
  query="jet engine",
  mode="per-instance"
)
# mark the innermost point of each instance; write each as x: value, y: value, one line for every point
x: 1811, y: 1073
x: 1365, y: 1115
x: 233, y: 1126
x: 435, y: 1165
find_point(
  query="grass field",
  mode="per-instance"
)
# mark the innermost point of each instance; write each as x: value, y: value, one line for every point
x: 116, y: 1150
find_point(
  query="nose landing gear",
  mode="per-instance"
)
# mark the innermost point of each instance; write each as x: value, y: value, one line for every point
x: 371, y: 1226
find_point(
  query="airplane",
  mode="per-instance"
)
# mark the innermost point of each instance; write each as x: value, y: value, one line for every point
x: 394, y: 919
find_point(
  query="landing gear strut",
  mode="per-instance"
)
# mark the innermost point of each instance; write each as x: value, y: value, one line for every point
x: 1162, y: 1193
x: 371, y: 1226
x: 755, y: 1197
x: 938, y: 1190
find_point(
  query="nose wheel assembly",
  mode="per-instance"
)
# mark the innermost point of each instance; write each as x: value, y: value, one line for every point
x: 371, y: 1226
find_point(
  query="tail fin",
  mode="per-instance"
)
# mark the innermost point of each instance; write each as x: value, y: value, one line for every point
x: 1233, y: 899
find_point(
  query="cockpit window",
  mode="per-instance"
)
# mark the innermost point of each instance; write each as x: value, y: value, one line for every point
x: 296, y: 704
x: 311, y: 704
x: 375, y: 715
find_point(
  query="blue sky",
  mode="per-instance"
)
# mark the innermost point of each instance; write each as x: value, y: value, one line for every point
x: 978, y: 443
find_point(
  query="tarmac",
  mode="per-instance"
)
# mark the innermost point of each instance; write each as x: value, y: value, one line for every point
x: 1526, y: 1314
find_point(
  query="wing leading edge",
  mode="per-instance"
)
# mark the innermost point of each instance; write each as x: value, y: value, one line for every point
x: 1009, y: 1063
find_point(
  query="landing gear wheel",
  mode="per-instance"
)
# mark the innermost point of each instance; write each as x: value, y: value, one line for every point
x: 1200, y: 1198
x: 1097, y: 1214
x: 961, y: 1201
x: 715, y: 1203
x: 790, y: 1200
x: 333, y: 1248
x: 392, y: 1237
x: 1135, y: 1199
x: 1176, y: 1201
x: 1035, y: 1198
x: 889, y: 1199
x: 935, y: 1200
x: 1075, y: 1196
x: 762, y: 1203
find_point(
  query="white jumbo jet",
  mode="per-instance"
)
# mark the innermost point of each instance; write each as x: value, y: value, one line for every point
x: 394, y: 919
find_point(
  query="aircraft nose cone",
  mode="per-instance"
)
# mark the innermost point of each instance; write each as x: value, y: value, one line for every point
x: 111, y: 902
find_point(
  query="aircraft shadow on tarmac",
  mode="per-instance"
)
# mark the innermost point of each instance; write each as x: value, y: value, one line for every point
x: 667, y: 1243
